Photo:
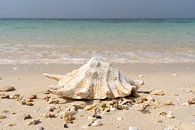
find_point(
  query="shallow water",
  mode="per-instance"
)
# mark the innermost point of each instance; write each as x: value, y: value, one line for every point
x: 116, y: 40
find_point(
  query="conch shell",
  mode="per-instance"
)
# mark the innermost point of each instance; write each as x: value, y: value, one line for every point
x: 94, y: 80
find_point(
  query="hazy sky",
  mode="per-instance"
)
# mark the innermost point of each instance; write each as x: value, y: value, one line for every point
x: 97, y: 8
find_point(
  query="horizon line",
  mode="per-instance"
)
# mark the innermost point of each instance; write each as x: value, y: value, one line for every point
x: 94, y: 18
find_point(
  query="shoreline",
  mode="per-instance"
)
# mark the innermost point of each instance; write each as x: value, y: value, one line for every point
x: 173, y: 78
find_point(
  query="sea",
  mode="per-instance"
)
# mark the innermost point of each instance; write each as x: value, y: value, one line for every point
x: 115, y: 40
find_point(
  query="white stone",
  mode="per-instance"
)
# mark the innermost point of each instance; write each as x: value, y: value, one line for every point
x: 185, y: 104
x: 119, y: 118
x: 96, y: 123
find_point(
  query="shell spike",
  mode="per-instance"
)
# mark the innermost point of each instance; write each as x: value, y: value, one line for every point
x: 53, y: 76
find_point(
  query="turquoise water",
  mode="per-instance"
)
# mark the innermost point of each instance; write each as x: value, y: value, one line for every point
x: 117, y: 40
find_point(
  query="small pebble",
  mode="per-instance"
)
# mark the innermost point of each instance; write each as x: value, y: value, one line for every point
x: 170, y: 115
x: 7, y: 88
x: 34, y: 122
x: 168, y: 103
x: 12, y: 124
x: 158, y: 92
x: 32, y: 96
x: 13, y: 113
x: 5, y: 111
x: 185, y: 104
x: 28, y: 116
x: 159, y: 121
x: 29, y: 103
x: 65, y: 126
x: 4, y: 96
x: 40, y: 128
x: 191, y: 101
x: 119, y: 118
x: 97, y: 116
x: 50, y: 115
x: 68, y: 117
x: 15, y: 96
x: 2, y: 117
x: 91, y: 118
x: 51, y: 108
x: 162, y: 113
x: 96, y: 123
x: 141, y: 76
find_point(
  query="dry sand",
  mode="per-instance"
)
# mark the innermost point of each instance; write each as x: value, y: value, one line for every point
x: 176, y: 80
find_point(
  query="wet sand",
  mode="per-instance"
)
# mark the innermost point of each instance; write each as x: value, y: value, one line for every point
x: 176, y: 80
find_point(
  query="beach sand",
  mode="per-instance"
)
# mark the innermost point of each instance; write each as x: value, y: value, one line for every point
x: 176, y: 80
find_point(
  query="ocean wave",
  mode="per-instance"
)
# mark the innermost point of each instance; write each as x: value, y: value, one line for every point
x: 139, y: 56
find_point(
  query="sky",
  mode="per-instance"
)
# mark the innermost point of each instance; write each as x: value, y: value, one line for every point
x: 97, y: 8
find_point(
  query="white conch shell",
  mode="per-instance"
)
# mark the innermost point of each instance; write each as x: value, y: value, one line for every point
x: 94, y: 80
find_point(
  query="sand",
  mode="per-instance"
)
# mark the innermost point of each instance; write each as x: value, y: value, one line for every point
x: 176, y: 80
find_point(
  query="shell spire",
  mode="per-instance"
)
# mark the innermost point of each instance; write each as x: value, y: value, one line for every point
x: 95, y: 80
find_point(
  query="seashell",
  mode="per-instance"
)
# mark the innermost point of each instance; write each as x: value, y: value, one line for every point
x: 94, y: 80
x: 6, y: 88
